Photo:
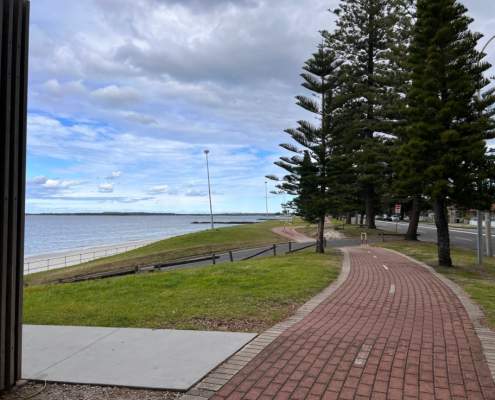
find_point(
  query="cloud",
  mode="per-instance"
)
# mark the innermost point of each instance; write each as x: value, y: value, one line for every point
x: 100, y: 199
x: 114, y: 175
x: 38, y: 180
x: 55, y: 184
x: 142, y: 119
x: 114, y: 95
x: 159, y: 189
x: 105, y: 188
x: 196, y: 193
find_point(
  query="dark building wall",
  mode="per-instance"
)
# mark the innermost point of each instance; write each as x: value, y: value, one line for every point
x: 14, y: 27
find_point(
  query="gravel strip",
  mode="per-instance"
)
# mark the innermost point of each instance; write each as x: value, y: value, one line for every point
x: 84, y: 392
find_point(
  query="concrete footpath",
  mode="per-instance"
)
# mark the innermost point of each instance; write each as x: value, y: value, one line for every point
x: 390, y: 329
x: 141, y: 358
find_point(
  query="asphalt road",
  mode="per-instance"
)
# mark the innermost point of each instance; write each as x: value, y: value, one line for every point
x: 465, y: 238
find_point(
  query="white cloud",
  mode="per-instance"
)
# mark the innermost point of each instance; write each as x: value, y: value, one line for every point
x: 105, y: 188
x: 142, y: 119
x: 196, y: 193
x: 114, y: 95
x: 114, y: 175
x: 47, y: 183
x: 159, y: 189
x: 38, y: 180
x: 57, y: 184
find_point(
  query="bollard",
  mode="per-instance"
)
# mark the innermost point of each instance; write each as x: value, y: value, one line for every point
x: 364, y: 239
x: 213, y: 258
x: 290, y: 247
x: 231, y: 256
x: 275, y: 250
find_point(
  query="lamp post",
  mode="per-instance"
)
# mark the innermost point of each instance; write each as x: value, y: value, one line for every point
x: 209, y: 187
x: 266, y: 197
x: 479, y: 213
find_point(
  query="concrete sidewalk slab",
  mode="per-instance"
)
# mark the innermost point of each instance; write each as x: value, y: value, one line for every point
x: 143, y: 358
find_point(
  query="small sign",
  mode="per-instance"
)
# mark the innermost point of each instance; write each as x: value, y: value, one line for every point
x: 398, y: 208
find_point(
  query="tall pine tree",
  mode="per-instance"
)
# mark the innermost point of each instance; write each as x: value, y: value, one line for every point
x: 309, y: 176
x: 444, y: 144
x: 368, y: 35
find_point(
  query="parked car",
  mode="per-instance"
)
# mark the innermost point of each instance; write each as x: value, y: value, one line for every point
x: 395, y: 218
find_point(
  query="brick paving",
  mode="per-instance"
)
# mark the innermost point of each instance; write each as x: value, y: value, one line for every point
x: 392, y: 330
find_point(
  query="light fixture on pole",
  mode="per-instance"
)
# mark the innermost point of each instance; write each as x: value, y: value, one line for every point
x: 479, y: 213
x: 209, y: 187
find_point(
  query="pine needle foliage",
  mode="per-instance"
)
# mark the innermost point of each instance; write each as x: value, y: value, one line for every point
x: 310, y: 174
x: 444, y: 146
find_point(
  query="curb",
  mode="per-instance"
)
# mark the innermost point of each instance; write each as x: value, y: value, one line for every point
x: 475, y: 313
x: 215, y: 380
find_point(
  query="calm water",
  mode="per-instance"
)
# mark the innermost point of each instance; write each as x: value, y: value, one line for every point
x: 53, y: 233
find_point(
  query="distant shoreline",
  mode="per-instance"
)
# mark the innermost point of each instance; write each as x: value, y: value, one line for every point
x: 153, y: 214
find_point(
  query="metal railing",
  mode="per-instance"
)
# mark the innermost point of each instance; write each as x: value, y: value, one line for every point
x: 33, y: 265
x: 198, y: 260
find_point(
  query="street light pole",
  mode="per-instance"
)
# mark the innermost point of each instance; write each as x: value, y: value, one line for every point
x: 266, y: 197
x: 479, y: 213
x: 209, y: 187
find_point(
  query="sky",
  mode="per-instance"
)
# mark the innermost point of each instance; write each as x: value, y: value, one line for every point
x: 125, y: 95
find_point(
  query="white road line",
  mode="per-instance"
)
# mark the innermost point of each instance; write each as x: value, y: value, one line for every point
x: 363, y: 355
x: 392, y: 289
x: 384, y: 266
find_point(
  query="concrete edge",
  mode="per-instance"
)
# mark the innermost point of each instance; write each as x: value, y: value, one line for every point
x: 475, y: 313
x: 217, y: 378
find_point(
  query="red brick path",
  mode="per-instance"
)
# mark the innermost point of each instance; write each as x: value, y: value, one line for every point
x: 391, y: 331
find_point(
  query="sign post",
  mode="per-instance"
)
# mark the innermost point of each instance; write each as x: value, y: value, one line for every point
x: 398, y: 210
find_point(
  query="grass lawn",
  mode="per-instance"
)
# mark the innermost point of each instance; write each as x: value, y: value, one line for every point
x: 245, y: 296
x: 190, y: 245
x: 478, y: 282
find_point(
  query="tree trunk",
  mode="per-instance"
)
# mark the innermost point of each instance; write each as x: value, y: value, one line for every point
x: 348, y: 218
x: 370, y: 208
x: 412, y: 230
x: 443, y: 241
x: 320, y: 244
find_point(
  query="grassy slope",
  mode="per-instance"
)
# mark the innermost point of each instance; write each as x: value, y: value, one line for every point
x: 189, y: 245
x: 478, y: 282
x: 242, y: 296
